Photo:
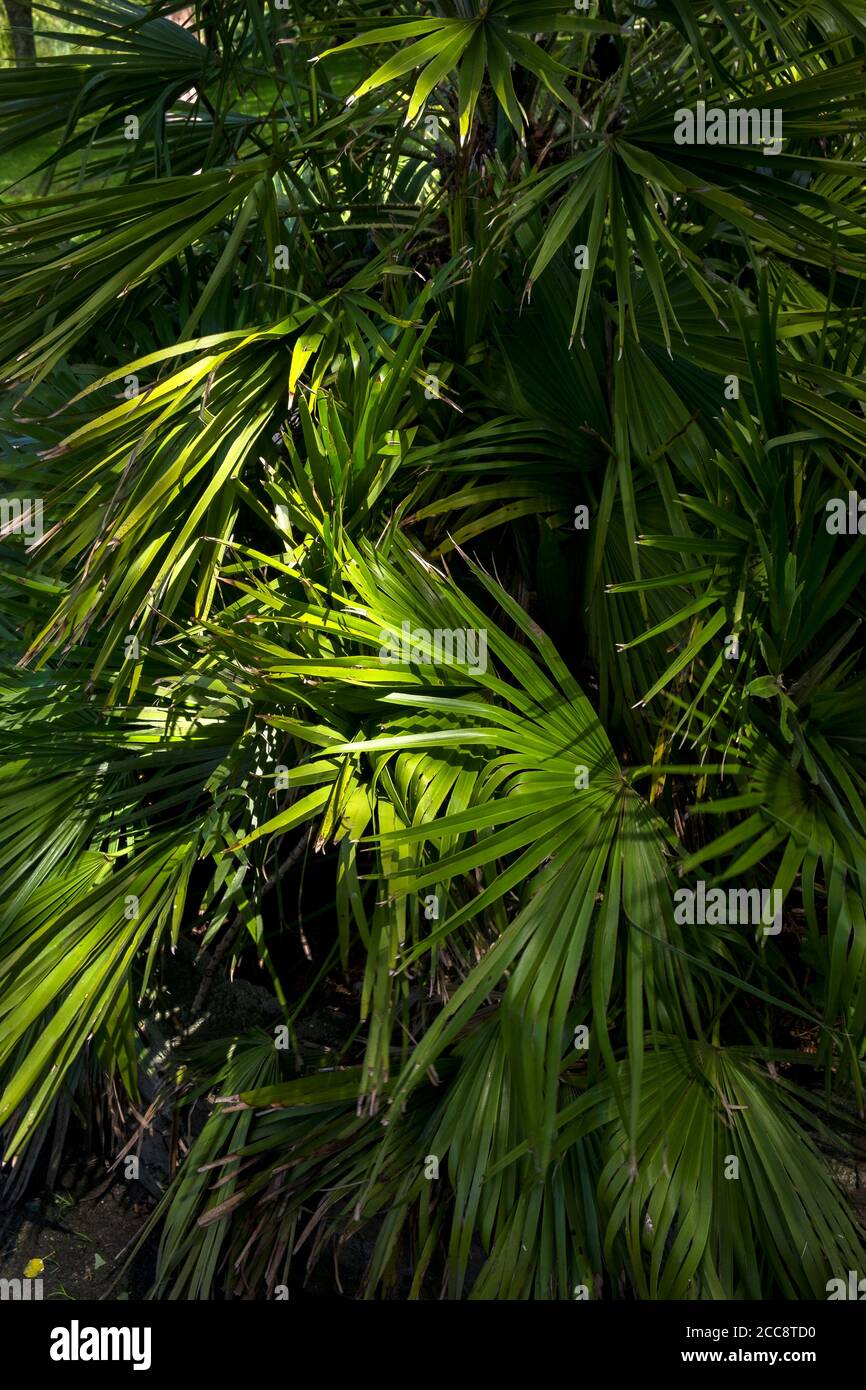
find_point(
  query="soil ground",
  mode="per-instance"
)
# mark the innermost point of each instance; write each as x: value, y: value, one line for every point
x: 85, y: 1245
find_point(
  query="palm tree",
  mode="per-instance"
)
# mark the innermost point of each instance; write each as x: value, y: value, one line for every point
x: 435, y: 587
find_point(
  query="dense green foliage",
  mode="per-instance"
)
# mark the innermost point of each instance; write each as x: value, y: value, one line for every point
x: 322, y: 320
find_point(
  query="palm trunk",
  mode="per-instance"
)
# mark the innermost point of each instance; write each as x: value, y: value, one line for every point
x: 20, y: 18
